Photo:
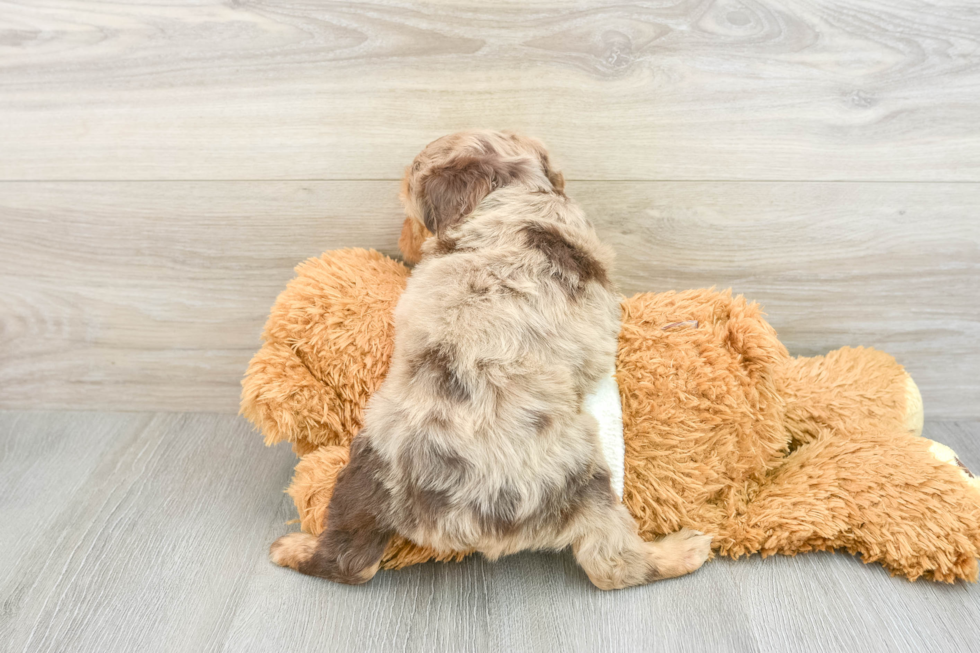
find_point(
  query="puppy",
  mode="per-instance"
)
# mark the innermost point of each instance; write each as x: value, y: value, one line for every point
x: 477, y: 439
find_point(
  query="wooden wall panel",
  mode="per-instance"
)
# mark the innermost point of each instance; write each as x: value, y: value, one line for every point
x: 145, y: 295
x: 293, y: 89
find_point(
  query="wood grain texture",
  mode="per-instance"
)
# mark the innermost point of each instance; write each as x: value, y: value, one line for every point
x: 687, y: 89
x: 130, y: 532
x: 142, y: 532
x: 140, y: 295
x: 128, y: 295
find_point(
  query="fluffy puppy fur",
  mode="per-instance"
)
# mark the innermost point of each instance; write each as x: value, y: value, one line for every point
x: 477, y: 439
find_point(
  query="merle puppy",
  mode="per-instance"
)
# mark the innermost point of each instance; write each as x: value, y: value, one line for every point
x: 477, y: 439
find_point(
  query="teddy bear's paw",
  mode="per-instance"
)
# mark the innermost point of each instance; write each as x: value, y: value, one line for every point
x: 945, y: 454
x: 680, y: 553
x: 290, y: 550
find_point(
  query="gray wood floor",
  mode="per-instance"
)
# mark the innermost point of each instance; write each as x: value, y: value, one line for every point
x: 149, y: 531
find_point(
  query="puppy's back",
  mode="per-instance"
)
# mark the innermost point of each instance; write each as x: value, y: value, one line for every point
x: 506, y: 325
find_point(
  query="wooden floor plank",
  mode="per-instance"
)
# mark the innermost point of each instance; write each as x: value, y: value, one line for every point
x: 152, y: 295
x: 150, y: 551
x: 528, y: 602
x: 46, y: 461
x: 128, y: 532
x: 290, y: 89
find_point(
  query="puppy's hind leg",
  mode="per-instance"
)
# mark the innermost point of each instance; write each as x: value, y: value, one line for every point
x: 349, y: 549
x: 614, y: 556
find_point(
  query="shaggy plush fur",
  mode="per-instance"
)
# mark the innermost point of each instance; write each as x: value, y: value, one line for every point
x: 328, y: 345
x: 725, y: 432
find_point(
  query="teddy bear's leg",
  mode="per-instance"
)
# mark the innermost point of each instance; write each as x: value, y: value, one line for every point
x: 878, y: 492
x: 350, y: 548
x: 282, y: 397
x: 313, y: 483
x: 857, y: 475
x: 847, y: 386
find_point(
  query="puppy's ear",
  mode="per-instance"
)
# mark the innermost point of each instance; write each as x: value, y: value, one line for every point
x: 450, y: 192
x: 554, y: 176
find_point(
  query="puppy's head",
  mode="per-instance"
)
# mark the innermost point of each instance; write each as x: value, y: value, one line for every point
x: 450, y: 177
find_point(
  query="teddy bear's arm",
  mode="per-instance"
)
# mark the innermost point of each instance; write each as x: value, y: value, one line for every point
x: 328, y: 341
x: 287, y: 403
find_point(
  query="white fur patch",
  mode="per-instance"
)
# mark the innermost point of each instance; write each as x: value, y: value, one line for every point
x: 604, y: 404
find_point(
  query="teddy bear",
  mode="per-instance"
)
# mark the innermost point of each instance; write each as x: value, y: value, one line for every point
x: 708, y: 423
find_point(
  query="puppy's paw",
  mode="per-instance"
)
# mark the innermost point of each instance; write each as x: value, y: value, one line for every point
x: 681, y: 553
x: 290, y: 550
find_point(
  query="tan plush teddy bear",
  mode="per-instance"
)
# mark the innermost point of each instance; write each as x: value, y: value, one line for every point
x: 708, y: 424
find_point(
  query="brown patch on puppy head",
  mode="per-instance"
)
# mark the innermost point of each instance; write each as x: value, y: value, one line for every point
x: 453, y: 174
x: 452, y: 191
x: 449, y: 192
x: 572, y: 266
